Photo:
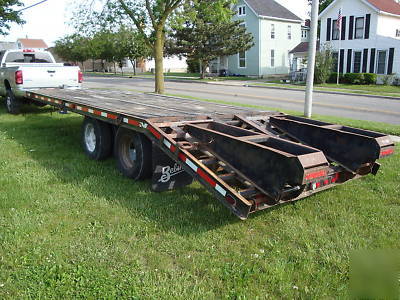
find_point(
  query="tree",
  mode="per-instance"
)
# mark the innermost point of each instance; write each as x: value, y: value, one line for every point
x: 207, y: 36
x: 73, y: 48
x: 151, y: 18
x: 322, y: 4
x: 8, y: 14
x: 323, y: 64
x: 132, y: 45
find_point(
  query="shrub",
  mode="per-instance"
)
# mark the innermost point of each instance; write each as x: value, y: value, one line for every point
x: 333, y: 78
x: 193, y: 65
x: 369, y: 78
x: 323, y: 65
x: 387, y: 79
x: 353, y: 78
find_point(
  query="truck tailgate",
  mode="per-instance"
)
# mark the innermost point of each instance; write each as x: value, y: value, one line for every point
x: 50, y: 76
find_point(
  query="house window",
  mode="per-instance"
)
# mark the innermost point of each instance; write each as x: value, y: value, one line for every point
x: 272, y: 58
x: 335, y: 30
x: 381, y: 62
x: 242, y: 10
x: 272, y: 31
x: 357, y: 62
x: 242, y: 59
x: 289, y: 32
x: 359, y: 34
x: 397, y: 32
x: 335, y: 57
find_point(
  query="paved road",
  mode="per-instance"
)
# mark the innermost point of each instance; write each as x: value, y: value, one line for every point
x: 354, y: 107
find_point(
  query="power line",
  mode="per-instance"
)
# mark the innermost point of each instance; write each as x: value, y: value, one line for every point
x: 33, y: 5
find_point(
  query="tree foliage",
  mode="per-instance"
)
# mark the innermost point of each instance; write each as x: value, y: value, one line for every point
x: 206, y: 36
x: 323, y: 64
x: 151, y: 18
x: 9, y: 14
x: 322, y: 4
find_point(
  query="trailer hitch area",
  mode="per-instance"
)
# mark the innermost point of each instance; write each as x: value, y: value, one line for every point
x: 352, y: 148
x: 269, y: 163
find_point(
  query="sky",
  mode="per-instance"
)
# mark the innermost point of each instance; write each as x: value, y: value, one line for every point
x: 49, y: 21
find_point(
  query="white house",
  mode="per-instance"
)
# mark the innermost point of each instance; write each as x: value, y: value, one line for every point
x: 369, y: 39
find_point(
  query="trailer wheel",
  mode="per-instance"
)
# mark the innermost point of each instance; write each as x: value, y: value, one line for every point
x: 13, y: 105
x: 133, y: 152
x: 96, y: 139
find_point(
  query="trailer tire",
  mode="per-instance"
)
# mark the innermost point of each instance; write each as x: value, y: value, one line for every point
x: 96, y: 139
x: 133, y: 152
x: 13, y: 105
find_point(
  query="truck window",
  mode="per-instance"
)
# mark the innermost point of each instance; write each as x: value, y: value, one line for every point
x: 29, y: 57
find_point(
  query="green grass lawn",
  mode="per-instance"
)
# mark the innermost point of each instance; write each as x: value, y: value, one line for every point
x: 75, y: 228
x: 383, y: 90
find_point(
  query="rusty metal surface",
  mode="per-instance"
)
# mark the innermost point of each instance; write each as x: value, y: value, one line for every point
x: 350, y: 147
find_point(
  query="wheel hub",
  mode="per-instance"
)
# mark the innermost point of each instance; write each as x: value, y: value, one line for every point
x: 8, y: 102
x: 90, y: 138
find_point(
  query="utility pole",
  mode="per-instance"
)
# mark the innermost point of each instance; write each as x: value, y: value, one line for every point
x: 312, y: 49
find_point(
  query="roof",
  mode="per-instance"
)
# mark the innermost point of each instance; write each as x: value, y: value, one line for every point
x: 389, y: 6
x: 33, y: 43
x: 270, y: 8
x: 302, y: 47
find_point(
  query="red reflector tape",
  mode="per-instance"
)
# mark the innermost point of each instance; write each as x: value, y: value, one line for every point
x: 154, y: 132
x: 387, y: 152
x: 314, y: 175
x: 206, y: 177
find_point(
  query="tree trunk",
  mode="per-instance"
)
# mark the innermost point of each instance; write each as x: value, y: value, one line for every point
x: 159, y: 57
x: 204, y: 65
x: 133, y: 63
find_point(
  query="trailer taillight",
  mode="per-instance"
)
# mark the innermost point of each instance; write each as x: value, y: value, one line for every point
x: 19, y: 79
x: 315, y: 175
x: 80, y: 76
x: 386, y: 152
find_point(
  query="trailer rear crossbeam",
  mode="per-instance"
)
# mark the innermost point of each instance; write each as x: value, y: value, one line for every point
x: 249, y: 160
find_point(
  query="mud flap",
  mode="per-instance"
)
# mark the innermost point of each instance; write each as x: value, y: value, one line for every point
x: 167, y: 174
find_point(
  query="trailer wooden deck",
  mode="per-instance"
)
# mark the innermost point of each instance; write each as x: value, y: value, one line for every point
x: 141, y: 105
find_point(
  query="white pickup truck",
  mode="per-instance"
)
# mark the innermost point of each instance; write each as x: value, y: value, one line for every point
x: 23, y: 70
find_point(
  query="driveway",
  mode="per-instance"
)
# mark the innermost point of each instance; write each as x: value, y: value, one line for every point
x: 348, y: 106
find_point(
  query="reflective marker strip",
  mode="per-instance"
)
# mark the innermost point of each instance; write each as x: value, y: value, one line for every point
x: 220, y: 190
x: 203, y: 175
x: 169, y: 145
x: 131, y: 122
x: 154, y: 132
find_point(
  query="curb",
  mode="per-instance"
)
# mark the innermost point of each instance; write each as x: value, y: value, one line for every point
x: 256, y: 86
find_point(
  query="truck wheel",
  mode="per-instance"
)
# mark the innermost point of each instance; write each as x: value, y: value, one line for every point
x: 13, y: 105
x: 96, y: 139
x: 133, y: 152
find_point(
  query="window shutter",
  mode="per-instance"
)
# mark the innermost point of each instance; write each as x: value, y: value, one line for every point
x: 365, y: 61
x: 351, y: 27
x: 328, y: 29
x: 343, y: 34
x: 349, y: 54
x: 372, y: 61
x: 390, y: 63
x: 367, y: 26
x: 341, y: 62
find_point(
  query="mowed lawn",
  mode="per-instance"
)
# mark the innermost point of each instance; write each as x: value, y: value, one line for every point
x: 75, y: 228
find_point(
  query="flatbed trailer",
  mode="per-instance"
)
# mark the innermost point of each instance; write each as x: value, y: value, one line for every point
x: 249, y: 160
